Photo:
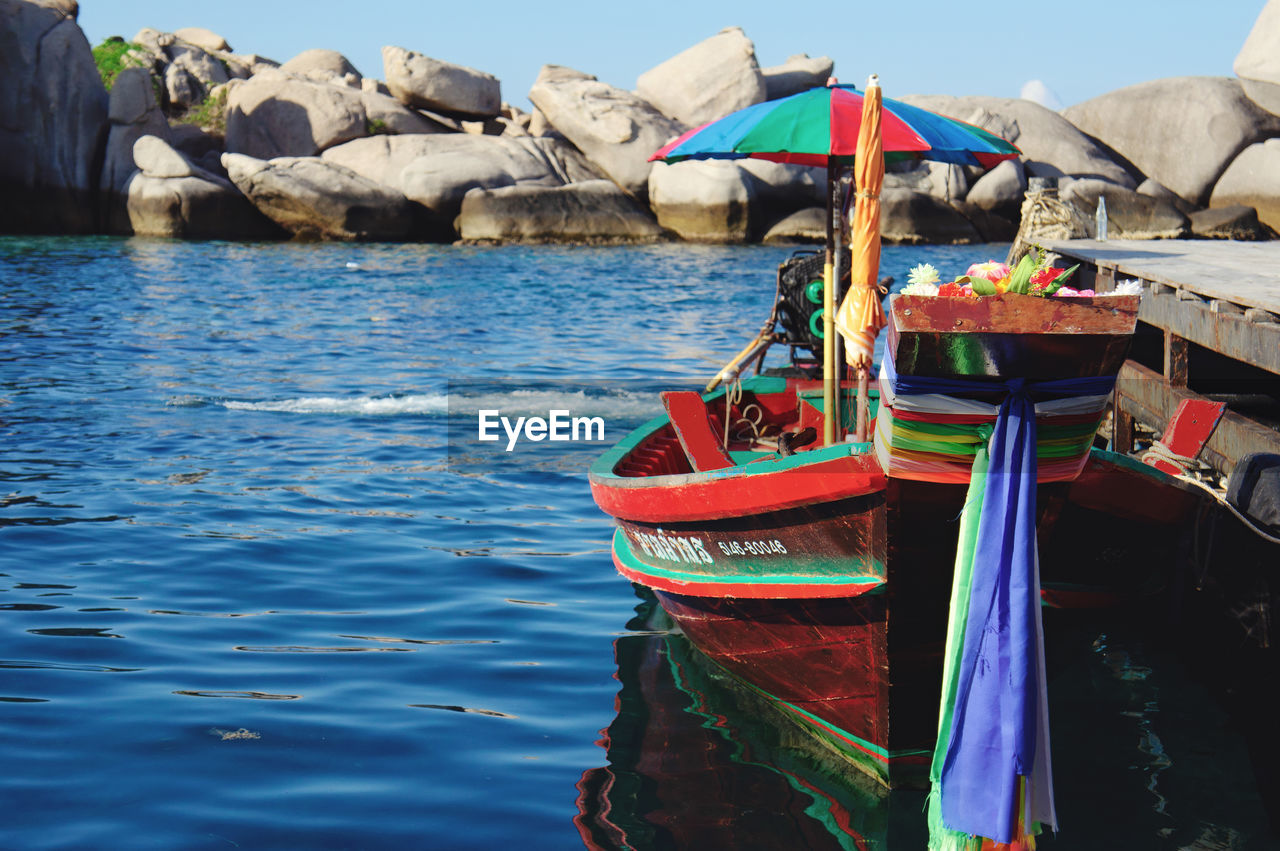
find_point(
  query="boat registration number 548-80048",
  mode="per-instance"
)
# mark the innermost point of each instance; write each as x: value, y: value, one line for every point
x: 752, y: 548
x: 693, y: 550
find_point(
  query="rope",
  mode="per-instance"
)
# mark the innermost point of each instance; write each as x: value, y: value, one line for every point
x: 732, y: 396
x: 1222, y: 500
x: 1159, y: 451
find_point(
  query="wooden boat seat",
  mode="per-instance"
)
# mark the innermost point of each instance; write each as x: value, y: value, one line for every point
x: 701, y: 444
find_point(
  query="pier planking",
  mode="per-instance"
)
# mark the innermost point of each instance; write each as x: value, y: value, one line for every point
x: 1221, y: 295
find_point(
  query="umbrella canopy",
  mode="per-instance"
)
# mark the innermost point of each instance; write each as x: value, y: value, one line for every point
x: 820, y: 127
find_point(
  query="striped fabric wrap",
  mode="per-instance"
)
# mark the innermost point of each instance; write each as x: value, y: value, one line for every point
x: 934, y: 437
x: 991, y: 779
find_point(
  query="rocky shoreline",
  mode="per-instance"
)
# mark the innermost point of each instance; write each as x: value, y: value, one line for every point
x: 177, y: 135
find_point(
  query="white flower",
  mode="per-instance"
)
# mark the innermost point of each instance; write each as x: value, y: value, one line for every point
x: 920, y: 289
x: 923, y: 273
x: 1128, y: 288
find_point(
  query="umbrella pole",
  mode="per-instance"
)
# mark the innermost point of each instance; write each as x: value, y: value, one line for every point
x: 830, y: 398
x: 838, y: 275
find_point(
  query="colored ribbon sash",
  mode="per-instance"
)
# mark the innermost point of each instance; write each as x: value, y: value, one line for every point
x: 991, y: 772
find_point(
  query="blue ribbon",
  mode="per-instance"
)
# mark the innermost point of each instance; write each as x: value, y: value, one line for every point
x: 910, y: 385
x: 993, y: 733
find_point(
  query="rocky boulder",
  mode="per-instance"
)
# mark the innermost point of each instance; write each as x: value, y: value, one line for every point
x: 702, y: 201
x: 324, y: 66
x: 203, y: 38
x: 1129, y: 214
x: 709, y: 80
x: 805, y: 226
x: 1050, y: 144
x: 1253, y: 179
x: 614, y: 128
x: 420, y: 81
x: 275, y: 114
x: 1000, y: 190
x: 385, y: 114
x: 779, y: 189
x: 53, y: 116
x: 190, y: 73
x: 243, y: 66
x: 1232, y: 222
x: 594, y: 211
x: 944, y: 181
x: 133, y: 114
x: 914, y: 218
x: 1258, y: 63
x: 798, y: 74
x: 312, y: 198
x: 169, y: 196
x: 1180, y: 131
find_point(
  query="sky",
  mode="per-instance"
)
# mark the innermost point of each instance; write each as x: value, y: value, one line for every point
x: 1074, y: 50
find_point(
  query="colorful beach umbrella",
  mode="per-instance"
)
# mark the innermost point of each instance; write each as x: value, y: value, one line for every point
x: 820, y: 127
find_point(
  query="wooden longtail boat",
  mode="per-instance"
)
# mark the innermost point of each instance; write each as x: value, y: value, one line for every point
x: 820, y: 576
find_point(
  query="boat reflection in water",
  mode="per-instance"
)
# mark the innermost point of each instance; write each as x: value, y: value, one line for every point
x: 697, y: 759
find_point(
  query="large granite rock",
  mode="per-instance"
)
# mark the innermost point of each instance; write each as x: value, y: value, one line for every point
x: 420, y: 81
x: 1253, y: 179
x: 171, y: 197
x: 803, y: 226
x: 134, y: 113
x: 275, y: 114
x: 1258, y: 63
x: 798, y: 74
x: 709, y: 80
x: 914, y: 218
x: 616, y: 129
x: 203, y: 38
x: 779, y: 189
x: 1130, y: 215
x: 1000, y: 190
x: 944, y: 181
x: 312, y: 198
x: 1045, y: 138
x: 191, y: 73
x: 324, y: 66
x: 1235, y: 221
x: 595, y: 211
x: 439, y: 180
x: 437, y: 171
x: 53, y: 116
x: 385, y: 114
x: 702, y: 201
x: 1181, y: 131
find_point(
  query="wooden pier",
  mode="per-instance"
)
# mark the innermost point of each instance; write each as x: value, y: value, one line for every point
x: 1209, y: 327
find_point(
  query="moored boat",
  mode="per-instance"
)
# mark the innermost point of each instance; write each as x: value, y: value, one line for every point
x: 820, y: 576
x: 887, y: 592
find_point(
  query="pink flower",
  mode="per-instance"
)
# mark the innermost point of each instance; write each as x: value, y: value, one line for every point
x: 991, y: 270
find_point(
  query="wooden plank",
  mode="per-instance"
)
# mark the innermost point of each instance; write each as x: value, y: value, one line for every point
x: 1143, y: 394
x: 688, y: 414
x: 1244, y: 273
x: 1175, y: 359
x: 1231, y: 334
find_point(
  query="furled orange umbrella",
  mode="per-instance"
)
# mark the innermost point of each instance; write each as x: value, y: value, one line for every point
x: 861, y: 316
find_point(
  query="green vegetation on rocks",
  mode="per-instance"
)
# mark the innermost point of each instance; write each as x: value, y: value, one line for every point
x: 211, y: 114
x: 114, y: 55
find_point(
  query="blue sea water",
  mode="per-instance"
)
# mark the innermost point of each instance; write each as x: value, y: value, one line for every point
x: 251, y: 596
